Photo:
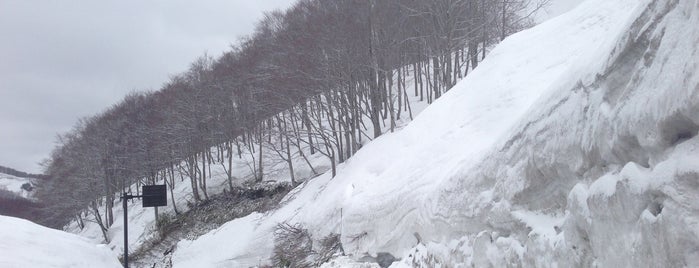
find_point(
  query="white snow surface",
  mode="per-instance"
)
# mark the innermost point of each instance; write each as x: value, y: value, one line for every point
x: 209, y: 246
x: 26, y: 244
x: 573, y: 144
x: 14, y: 184
x: 554, y: 8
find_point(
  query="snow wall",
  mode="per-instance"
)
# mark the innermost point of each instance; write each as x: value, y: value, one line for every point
x: 573, y: 144
x: 26, y: 244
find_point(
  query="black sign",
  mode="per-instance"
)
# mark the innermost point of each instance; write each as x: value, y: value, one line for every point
x: 154, y: 196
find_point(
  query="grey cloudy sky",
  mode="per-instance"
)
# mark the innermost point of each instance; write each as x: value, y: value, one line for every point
x: 64, y: 60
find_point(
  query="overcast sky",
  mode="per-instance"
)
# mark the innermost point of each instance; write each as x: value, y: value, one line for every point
x: 64, y: 60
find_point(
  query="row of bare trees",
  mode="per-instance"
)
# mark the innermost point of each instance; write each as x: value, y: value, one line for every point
x: 323, y: 77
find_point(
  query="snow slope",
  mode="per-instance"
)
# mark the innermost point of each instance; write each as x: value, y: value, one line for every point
x: 25, y: 244
x: 573, y: 144
x: 555, y: 8
x: 14, y: 184
x: 142, y: 224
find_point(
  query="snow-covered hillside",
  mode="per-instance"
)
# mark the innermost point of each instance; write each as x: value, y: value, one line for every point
x: 573, y: 144
x: 555, y: 8
x: 25, y: 244
x: 22, y: 187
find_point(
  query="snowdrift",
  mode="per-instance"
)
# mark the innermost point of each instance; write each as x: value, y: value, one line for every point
x: 25, y: 244
x: 573, y: 144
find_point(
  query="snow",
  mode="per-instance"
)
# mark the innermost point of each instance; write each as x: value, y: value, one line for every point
x: 209, y: 246
x: 346, y: 262
x: 572, y: 144
x: 142, y: 220
x: 14, y: 184
x: 605, y: 185
x: 555, y: 8
x: 25, y: 244
x: 540, y: 223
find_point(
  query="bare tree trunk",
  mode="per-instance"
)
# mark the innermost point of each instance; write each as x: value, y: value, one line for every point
x: 172, y: 187
x: 203, y: 175
x: 193, y: 178
x: 415, y: 79
x: 473, y: 53
x: 109, y: 199
x: 289, y: 161
x: 260, y: 168
x: 407, y: 104
x: 457, y: 65
x: 428, y: 84
x: 435, y: 77
x: 296, y: 130
x: 373, y: 83
x: 400, y: 93
x: 229, y: 172
x: 99, y: 221
x: 447, y: 71
x: 79, y: 220
x: 503, y: 32
x: 237, y: 145
x: 390, y: 101
x: 108, y: 213
x: 307, y: 122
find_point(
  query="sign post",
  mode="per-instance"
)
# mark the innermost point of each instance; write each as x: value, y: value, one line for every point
x: 153, y: 196
x: 124, y: 198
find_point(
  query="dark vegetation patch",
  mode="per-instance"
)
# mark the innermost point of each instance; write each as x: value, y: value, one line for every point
x: 295, y: 248
x: 21, y: 174
x: 204, y: 217
x: 14, y: 205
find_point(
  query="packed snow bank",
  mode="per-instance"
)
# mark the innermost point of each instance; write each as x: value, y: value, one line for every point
x: 572, y: 144
x: 554, y: 8
x: 25, y: 244
x: 209, y: 246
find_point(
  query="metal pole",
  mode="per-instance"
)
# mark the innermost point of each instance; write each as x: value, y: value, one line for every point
x: 125, y: 198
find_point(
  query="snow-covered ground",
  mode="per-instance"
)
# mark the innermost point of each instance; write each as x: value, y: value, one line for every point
x: 142, y: 223
x: 14, y: 185
x: 554, y: 8
x: 25, y: 244
x: 573, y: 144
